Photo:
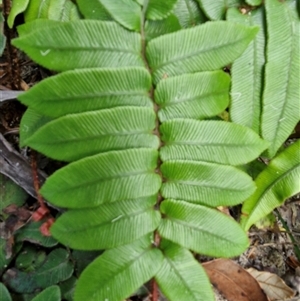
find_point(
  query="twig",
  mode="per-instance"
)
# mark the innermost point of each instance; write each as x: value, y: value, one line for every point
x: 9, y: 95
x: 36, y: 181
x: 17, y: 168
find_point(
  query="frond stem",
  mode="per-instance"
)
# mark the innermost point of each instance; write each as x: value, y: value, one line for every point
x: 154, y: 295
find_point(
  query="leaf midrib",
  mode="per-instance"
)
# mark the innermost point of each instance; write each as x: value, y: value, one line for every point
x: 108, y: 222
x: 189, y: 183
x: 203, y: 230
x: 195, y: 53
x: 97, y: 95
x: 96, y: 181
x: 58, y: 48
x: 209, y: 144
x: 191, y: 293
x: 197, y: 97
x: 113, y: 274
x: 78, y: 139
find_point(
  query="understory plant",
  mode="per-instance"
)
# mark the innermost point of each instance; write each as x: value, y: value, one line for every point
x: 157, y: 135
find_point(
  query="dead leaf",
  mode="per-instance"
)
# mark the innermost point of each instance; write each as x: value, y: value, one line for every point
x: 233, y: 281
x: 274, y: 287
x: 293, y: 262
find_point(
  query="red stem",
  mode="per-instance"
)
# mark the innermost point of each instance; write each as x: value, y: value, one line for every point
x: 155, y: 294
x: 36, y: 182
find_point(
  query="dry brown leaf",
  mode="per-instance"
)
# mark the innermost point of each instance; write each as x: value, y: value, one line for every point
x: 274, y: 287
x: 233, y: 281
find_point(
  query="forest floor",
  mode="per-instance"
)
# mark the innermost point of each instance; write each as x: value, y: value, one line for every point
x: 271, y: 249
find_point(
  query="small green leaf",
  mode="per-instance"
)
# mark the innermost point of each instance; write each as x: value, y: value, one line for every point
x: 183, y: 97
x: 119, y: 272
x: 4, y: 293
x: 84, y: 90
x: 4, y: 259
x: 31, y: 232
x: 203, y: 48
x: 181, y: 277
x: 56, y: 268
x: 157, y: 9
x: 29, y: 258
x: 125, y: 12
x: 202, y: 229
x: 67, y: 288
x: 10, y: 193
x: 120, y: 128
x: 107, y: 226
x: 280, y: 111
x: 205, y: 183
x: 247, y: 73
x: 82, y: 44
x: 51, y: 293
x: 188, y: 13
x: 216, y: 9
x: 211, y: 141
x: 107, y: 177
x: 18, y: 6
x: 279, y: 181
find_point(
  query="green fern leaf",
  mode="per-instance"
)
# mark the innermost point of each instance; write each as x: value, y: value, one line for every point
x: 66, y: 138
x: 211, y: 141
x: 206, y: 47
x: 158, y: 9
x: 183, y: 97
x: 97, y: 88
x: 107, y: 177
x: 96, y: 44
x: 205, y: 183
x: 215, y: 10
x: 124, y: 111
x: 281, y: 101
x: 181, y: 277
x: 188, y: 13
x: 108, y: 225
x: 279, y: 181
x: 247, y: 73
x: 154, y: 29
x: 119, y: 272
x: 191, y: 225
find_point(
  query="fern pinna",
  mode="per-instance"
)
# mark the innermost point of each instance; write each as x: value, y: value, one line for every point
x: 135, y: 112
